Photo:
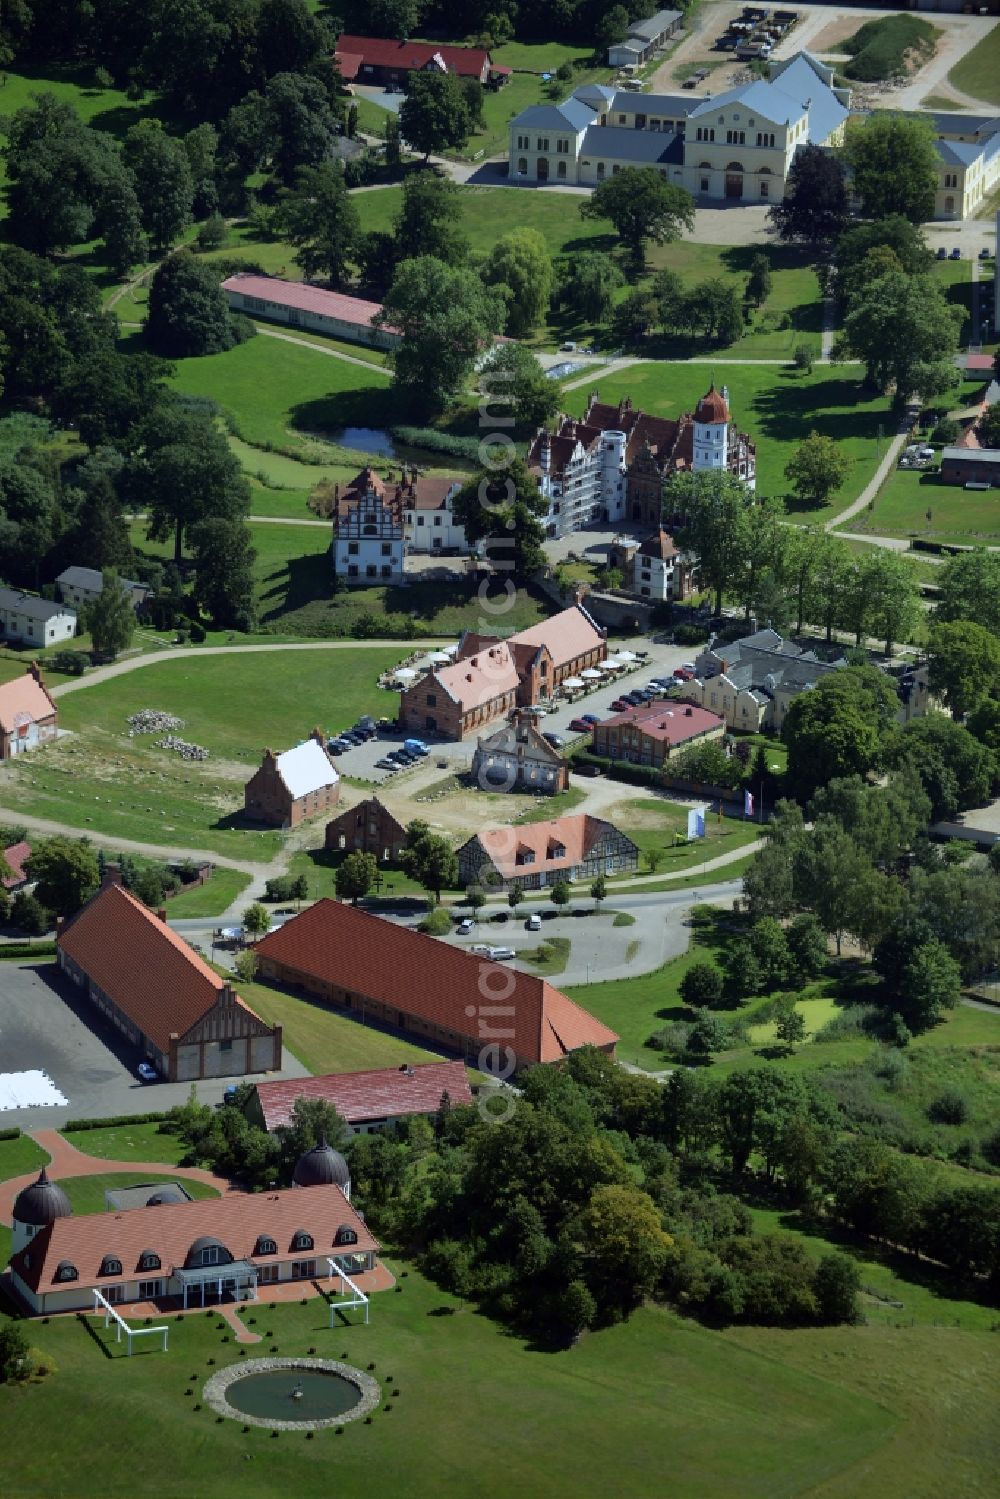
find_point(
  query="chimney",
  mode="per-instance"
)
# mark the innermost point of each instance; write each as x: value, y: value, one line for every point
x: 112, y: 875
x: 161, y: 915
x: 60, y: 923
x: 270, y: 759
x: 34, y: 670
x: 689, y: 713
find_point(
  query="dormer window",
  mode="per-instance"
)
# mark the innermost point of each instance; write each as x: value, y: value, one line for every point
x: 110, y: 1265
x: 345, y: 1235
x: 148, y: 1260
x: 66, y: 1271
x: 301, y: 1240
x: 265, y: 1245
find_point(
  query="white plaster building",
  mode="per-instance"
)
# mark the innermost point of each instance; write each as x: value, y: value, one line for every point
x: 368, y: 533
x: 82, y: 585
x: 429, y: 523
x: 26, y: 617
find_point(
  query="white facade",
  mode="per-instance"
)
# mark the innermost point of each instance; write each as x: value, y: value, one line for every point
x: 34, y: 621
x: 82, y: 585
x: 368, y: 541
x: 435, y: 530
x: 711, y: 445
x: 589, y: 489
x: 654, y: 578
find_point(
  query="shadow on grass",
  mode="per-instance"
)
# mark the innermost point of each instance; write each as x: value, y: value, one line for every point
x: 93, y: 1333
x: 369, y: 406
x: 303, y: 580
x: 789, y: 409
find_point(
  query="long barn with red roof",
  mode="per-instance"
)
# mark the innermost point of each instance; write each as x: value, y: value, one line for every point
x: 492, y: 1015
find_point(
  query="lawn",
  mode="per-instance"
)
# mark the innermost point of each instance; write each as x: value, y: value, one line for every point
x: 234, y: 704
x: 212, y: 898
x: 873, y: 1410
x: 19, y: 1156
x: 919, y: 504
x: 86, y: 1193
x: 285, y: 395
x: 978, y: 72
x: 135, y: 1141
x: 328, y: 1040
x: 777, y: 406
x: 548, y: 958
x: 656, y: 826
x: 103, y: 108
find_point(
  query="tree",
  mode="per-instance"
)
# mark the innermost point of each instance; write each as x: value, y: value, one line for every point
x: 790, y: 1026
x: 759, y: 280
x: 587, y: 286
x: 426, y: 223
x: 625, y: 1245
x: 394, y: 18
x: 756, y: 581
x: 839, y: 728
x: 119, y: 222
x: 837, y: 1283
x: 714, y: 507
x: 905, y: 331
x: 707, y: 1034
x: 245, y: 965
x: 15, y: 1354
x: 475, y: 898
x: 701, y: 986
x: 300, y: 128
x: 202, y: 146
x: 100, y: 536
x: 434, y: 116
x: 224, y: 560
x: 598, y: 890
x: 806, y: 948
x: 815, y: 207
x: 65, y: 871
x: 320, y: 218
x: 957, y: 771
x: 28, y: 915
x: 969, y: 588
x: 641, y: 206
x: 560, y: 893
x: 893, y: 162
x: 963, y: 664
x: 769, y: 946
x: 59, y: 171
x: 429, y: 859
x: 182, y: 471
x: 256, y: 920
x: 816, y: 470
x: 163, y: 181
x: 827, y: 582
x: 716, y: 308
x: 511, y: 377
x: 895, y: 592
x: 503, y: 510
x: 446, y: 317
x: 612, y: 28
x: 932, y: 983
x: 356, y: 875
x: 188, y: 311
x: 989, y: 427
x: 110, y: 618
x: 520, y: 261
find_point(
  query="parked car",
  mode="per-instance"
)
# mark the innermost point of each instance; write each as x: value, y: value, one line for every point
x: 579, y: 726
x: 465, y: 926
x: 956, y: 254
x: 533, y: 923
x: 500, y: 954
x: 591, y: 717
x: 338, y: 746
x: 682, y: 674
x: 942, y: 253
x: 568, y: 347
x: 619, y: 705
x: 556, y: 740
x: 482, y: 947
x: 635, y: 697
x: 147, y: 1073
x: 984, y: 253
x: 415, y: 747
x: 385, y: 763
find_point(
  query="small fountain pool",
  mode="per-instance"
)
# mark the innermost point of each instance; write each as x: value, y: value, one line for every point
x: 295, y: 1394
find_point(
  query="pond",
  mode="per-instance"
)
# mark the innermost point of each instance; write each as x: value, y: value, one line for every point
x: 367, y: 440
x: 294, y: 1395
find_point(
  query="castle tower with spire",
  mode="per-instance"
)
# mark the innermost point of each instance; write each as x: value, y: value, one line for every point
x: 711, y: 431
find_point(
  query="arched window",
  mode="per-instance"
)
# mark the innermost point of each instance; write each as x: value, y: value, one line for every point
x: 346, y: 1235
x: 302, y: 1240
x: 265, y: 1245
x: 149, y: 1260
x: 66, y: 1271
x: 110, y: 1265
x: 949, y: 205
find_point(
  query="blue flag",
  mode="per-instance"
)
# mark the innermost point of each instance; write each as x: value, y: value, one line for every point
x: 696, y: 822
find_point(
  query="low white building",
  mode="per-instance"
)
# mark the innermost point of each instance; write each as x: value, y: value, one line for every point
x: 301, y: 306
x: 644, y: 38
x: 35, y: 621
x: 428, y: 519
x: 82, y: 585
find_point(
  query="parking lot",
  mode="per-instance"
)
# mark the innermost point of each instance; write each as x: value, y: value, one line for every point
x: 47, y: 1025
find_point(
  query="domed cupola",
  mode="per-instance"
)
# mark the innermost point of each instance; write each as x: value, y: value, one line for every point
x: 711, y: 431
x: 35, y: 1206
x: 322, y: 1167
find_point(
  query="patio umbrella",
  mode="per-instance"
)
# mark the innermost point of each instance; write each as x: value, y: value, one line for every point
x: 590, y: 675
x: 611, y: 664
x: 627, y: 656
x: 405, y: 674
x: 573, y: 682
x: 439, y: 657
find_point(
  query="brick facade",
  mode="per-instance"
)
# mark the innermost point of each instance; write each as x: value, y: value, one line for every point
x: 268, y: 799
x: 368, y: 828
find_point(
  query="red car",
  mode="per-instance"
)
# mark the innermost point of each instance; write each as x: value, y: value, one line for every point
x: 620, y: 705
x: 580, y: 725
x: 683, y: 675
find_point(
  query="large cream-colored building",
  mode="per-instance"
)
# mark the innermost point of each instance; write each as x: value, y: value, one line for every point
x: 969, y: 148
x: 736, y: 146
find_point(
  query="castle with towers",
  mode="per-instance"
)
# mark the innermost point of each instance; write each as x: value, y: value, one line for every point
x: 609, y: 467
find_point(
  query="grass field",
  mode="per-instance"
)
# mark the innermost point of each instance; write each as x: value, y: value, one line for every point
x: 656, y: 826
x: 233, y: 704
x: 328, y: 1040
x: 776, y: 406
x: 978, y: 72
x: 212, y: 898
x: 916, y: 504
x: 128, y: 1142
x: 871, y: 1410
x: 86, y: 1193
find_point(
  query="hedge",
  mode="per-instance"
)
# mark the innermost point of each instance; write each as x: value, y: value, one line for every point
x: 10, y: 1134
x: 438, y: 442
x: 12, y: 950
x: 73, y: 1126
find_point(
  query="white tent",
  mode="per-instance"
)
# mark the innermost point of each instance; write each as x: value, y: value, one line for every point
x: 439, y: 658
x: 405, y: 674
x: 627, y: 656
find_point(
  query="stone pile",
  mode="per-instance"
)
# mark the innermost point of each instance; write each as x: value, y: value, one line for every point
x: 183, y: 747
x: 152, y: 721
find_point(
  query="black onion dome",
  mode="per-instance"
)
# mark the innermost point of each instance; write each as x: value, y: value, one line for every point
x: 321, y: 1167
x: 42, y: 1202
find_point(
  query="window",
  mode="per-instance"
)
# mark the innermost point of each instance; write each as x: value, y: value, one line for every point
x: 225, y: 1045
x: 66, y: 1271
x: 267, y: 1274
x: 621, y: 119
x: 735, y: 137
x: 150, y: 1289
x: 949, y: 205
x: 352, y: 548
x: 765, y: 188
x: 432, y: 700
x: 387, y: 549
x: 371, y: 571
x: 302, y: 1240
x: 303, y: 1269
x: 542, y: 145
x: 148, y: 1260
x: 522, y: 166
x: 615, y: 170
x: 561, y: 169
x: 110, y: 1265
x: 704, y: 184
x: 346, y: 1235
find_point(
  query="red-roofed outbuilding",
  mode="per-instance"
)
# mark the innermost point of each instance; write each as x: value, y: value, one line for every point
x: 368, y: 1101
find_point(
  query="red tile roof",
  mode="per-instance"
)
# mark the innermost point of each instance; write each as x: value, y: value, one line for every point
x: 14, y: 857
x: 575, y: 834
x: 170, y: 1229
x: 150, y: 973
x: 431, y: 980
x: 567, y: 635
x: 477, y: 680
x: 385, y: 52
x: 297, y: 294
x: 713, y: 406
x: 660, y: 545
x: 349, y: 64
x: 24, y: 699
x: 670, y: 721
x: 383, y: 1093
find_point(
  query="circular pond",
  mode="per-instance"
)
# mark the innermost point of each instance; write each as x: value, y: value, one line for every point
x: 293, y: 1394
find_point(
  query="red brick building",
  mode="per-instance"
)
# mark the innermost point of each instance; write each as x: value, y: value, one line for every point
x: 160, y: 994
x: 369, y: 1101
x: 379, y: 59
x: 28, y: 715
x: 493, y: 1016
x: 302, y: 782
x: 367, y: 828
x: 649, y: 734
x: 491, y: 677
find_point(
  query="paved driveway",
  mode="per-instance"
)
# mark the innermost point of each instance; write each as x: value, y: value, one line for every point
x: 45, y: 1023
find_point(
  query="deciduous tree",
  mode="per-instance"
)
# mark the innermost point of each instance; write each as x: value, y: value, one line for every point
x: 110, y: 618
x: 963, y: 664
x: 447, y: 317
x: 434, y: 116
x: 817, y: 468
x: 320, y: 218
x: 641, y: 206
x: 814, y: 209
x: 356, y: 875
x: 188, y: 311
x: 520, y: 261
x: 893, y: 162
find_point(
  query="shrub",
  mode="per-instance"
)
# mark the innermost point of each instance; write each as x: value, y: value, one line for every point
x: 437, y: 442
x: 950, y: 1107
x: 70, y: 663
x: 198, y: 632
x: 889, y: 1065
x: 701, y: 985
x: 802, y: 358
x: 690, y: 633
x: 946, y: 431
x: 437, y: 922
